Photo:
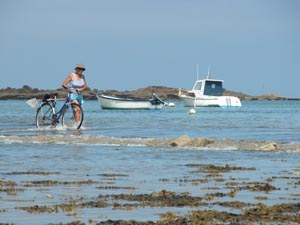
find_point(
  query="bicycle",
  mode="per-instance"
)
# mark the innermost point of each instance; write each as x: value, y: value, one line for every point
x: 71, y: 114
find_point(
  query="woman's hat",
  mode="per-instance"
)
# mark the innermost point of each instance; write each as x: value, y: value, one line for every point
x: 80, y: 66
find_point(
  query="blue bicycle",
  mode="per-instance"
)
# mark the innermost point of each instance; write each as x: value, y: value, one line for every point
x: 70, y: 114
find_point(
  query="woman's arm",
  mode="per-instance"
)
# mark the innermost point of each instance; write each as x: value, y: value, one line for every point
x: 66, y: 81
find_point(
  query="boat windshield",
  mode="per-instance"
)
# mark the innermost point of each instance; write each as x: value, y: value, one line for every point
x: 213, y: 87
x: 198, y: 86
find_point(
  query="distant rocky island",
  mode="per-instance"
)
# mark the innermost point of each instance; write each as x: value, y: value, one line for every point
x: 27, y: 92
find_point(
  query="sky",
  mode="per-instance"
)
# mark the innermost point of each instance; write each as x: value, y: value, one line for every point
x: 253, y: 45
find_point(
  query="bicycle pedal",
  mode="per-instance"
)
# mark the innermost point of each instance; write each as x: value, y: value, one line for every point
x: 55, y: 122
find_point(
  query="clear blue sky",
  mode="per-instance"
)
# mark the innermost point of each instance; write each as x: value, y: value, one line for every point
x: 253, y: 45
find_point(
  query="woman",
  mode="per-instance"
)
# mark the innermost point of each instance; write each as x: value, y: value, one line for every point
x: 76, y: 83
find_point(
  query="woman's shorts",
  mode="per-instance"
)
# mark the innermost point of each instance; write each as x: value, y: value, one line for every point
x: 76, y: 96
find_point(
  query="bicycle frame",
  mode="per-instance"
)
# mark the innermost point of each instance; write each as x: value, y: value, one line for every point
x: 64, y: 107
x: 57, y: 114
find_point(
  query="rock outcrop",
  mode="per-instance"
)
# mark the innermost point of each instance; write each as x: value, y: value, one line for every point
x: 27, y: 92
x: 186, y: 141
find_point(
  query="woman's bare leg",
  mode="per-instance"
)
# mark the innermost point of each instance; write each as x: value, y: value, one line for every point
x: 77, y: 111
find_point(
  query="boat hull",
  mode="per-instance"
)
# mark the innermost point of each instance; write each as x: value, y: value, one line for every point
x: 109, y: 102
x: 211, y: 101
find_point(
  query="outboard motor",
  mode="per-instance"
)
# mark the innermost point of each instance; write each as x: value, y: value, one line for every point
x: 155, y: 100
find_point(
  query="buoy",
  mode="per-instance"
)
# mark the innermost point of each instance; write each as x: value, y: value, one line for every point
x: 192, y: 111
x: 49, y: 196
x: 171, y: 104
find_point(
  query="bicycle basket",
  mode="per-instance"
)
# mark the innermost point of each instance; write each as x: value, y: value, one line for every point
x: 46, y: 97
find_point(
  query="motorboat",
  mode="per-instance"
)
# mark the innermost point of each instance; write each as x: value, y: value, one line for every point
x: 113, y: 102
x: 208, y: 93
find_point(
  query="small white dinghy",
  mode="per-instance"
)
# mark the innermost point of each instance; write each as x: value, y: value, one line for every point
x: 112, y: 102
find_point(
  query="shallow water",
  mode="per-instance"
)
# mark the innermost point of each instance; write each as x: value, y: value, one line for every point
x: 142, y: 170
x: 120, y: 162
x: 256, y: 120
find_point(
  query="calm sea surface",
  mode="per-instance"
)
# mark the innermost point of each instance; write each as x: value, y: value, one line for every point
x: 256, y: 120
x: 145, y: 168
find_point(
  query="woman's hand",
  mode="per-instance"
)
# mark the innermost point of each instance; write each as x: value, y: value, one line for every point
x: 74, y: 90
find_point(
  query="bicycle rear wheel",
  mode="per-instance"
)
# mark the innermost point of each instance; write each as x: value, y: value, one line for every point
x: 44, y: 116
x: 72, y: 116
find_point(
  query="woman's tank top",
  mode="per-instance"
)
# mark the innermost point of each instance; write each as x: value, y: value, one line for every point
x: 75, y: 83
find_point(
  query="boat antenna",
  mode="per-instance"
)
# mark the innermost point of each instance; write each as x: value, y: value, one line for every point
x: 197, y: 71
x: 208, y: 72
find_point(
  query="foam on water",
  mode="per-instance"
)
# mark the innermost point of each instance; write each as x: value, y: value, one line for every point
x: 184, y: 141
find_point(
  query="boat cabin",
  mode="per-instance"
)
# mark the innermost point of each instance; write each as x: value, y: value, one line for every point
x: 208, y: 87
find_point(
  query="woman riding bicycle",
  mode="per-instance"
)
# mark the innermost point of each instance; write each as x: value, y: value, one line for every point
x: 76, y: 83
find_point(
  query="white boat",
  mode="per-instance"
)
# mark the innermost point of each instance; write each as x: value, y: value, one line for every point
x: 208, y: 93
x: 111, y: 102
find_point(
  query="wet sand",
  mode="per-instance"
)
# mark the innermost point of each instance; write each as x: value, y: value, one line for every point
x: 204, y: 186
x: 220, y: 206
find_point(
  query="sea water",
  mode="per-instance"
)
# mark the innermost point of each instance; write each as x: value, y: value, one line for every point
x: 70, y: 156
x: 255, y: 120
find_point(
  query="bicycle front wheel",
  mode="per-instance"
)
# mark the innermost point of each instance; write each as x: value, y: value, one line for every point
x: 44, y: 116
x: 72, y: 116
